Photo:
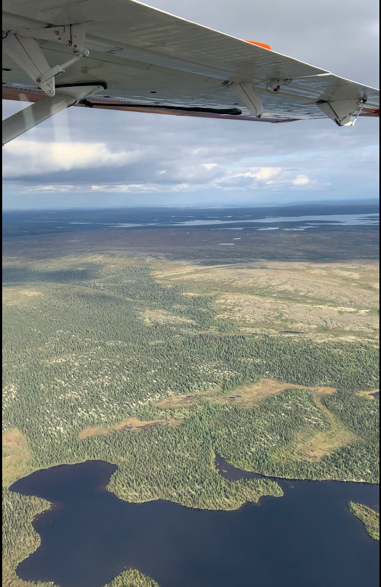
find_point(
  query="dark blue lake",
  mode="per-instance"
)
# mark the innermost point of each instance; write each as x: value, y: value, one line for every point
x: 307, y: 538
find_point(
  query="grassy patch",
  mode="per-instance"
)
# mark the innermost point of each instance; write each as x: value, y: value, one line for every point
x: 92, y: 431
x: 370, y: 518
x: 187, y: 400
x: 248, y: 395
x: 135, y: 424
x: 325, y: 443
x: 368, y: 393
x: 243, y: 395
x: 16, y: 458
x: 132, y: 424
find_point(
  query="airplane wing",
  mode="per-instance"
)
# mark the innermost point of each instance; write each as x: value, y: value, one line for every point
x: 121, y: 54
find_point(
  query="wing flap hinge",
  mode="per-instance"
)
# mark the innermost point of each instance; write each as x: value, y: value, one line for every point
x: 26, y: 52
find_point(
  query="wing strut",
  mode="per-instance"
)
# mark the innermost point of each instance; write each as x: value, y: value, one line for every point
x: 248, y: 96
x: 30, y: 117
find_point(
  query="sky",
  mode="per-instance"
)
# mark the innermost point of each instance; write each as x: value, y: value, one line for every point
x: 92, y: 158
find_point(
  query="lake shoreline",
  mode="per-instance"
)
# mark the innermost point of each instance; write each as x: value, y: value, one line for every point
x: 88, y: 513
x: 219, y: 468
x: 277, y: 478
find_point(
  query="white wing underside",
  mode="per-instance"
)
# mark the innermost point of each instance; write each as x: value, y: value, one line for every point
x: 153, y: 61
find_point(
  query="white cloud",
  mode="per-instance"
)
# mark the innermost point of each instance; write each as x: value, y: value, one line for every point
x: 261, y: 173
x: 265, y: 173
x: 209, y: 165
x: 238, y: 177
x: 25, y: 157
x: 133, y: 188
x: 300, y: 180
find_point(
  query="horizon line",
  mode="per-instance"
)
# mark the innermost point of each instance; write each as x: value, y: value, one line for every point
x: 368, y: 201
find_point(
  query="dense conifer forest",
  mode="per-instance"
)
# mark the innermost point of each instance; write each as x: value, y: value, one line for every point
x: 104, y: 360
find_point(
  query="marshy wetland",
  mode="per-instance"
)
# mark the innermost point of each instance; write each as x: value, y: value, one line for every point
x: 135, y: 347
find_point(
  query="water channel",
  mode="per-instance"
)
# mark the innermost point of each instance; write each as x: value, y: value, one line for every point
x: 308, y: 537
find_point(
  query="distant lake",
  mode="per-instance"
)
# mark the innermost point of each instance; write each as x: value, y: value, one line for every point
x: 305, y: 217
x: 304, y: 221
x: 307, y: 538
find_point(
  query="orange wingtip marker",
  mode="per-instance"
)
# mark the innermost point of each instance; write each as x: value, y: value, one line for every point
x: 264, y: 45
